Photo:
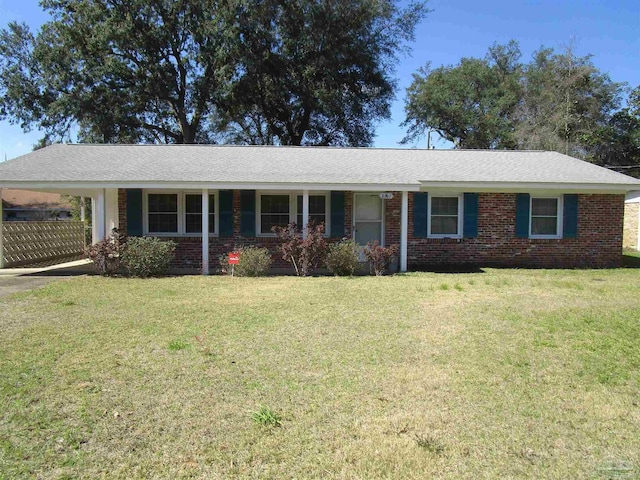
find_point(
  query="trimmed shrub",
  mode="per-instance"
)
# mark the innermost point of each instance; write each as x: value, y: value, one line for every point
x: 107, y: 253
x: 379, y: 257
x: 254, y: 262
x: 342, y: 258
x: 148, y: 256
x: 304, y: 254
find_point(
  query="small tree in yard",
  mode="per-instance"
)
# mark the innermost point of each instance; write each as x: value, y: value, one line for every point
x: 304, y: 254
x: 379, y: 257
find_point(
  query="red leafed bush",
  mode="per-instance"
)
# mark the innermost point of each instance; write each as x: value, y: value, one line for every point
x: 305, y: 254
x: 107, y: 253
x: 379, y: 257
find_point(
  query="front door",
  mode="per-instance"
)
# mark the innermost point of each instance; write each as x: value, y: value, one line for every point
x: 367, y: 218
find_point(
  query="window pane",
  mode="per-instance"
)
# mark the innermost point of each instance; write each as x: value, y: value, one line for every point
x: 544, y: 226
x: 163, y: 212
x: 274, y: 211
x: 268, y: 221
x: 193, y: 203
x: 317, y: 209
x: 163, y: 222
x: 444, y: 225
x: 317, y: 204
x: 193, y: 223
x: 163, y: 202
x: 275, y: 204
x: 544, y: 207
x: 193, y: 213
x: 316, y: 219
x: 444, y: 206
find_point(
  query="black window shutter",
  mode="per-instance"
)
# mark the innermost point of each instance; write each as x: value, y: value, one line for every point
x: 225, y: 217
x: 470, y: 221
x: 134, y: 212
x: 570, y: 217
x: 248, y: 213
x: 522, y: 215
x: 337, y: 214
x: 420, y: 202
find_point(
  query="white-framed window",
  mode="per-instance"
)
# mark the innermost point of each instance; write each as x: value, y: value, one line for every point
x: 193, y: 213
x: 318, y: 209
x: 545, y: 217
x: 163, y: 213
x: 282, y: 208
x: 445, y: 216
x: 176, y: 213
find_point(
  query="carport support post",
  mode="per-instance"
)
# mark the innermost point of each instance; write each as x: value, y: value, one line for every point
x: 305, y: 213
x: 97, y: 217
x: 205, y: 232
x: 101, y: 215
x: 82, y: 211
x: 1, y: 234
x: 404, y: 227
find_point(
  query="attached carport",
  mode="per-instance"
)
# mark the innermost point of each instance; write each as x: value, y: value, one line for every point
x: 104, y: 208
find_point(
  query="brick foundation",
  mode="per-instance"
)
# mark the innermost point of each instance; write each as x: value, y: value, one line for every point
x: 598, y: 244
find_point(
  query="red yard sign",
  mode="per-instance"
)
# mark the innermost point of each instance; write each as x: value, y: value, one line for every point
x: 234, y: 258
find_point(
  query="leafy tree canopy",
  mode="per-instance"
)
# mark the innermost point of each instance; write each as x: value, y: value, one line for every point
x: 185, y: 71
x: 470, y: 104
x: 558, y: 101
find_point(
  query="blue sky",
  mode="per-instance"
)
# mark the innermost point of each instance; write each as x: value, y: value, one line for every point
x: 609, y: 30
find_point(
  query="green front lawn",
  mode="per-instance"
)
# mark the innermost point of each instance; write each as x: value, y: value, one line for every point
x: 502, y: 374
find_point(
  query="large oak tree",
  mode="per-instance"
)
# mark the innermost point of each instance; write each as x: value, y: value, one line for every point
x: 185, y: 71
x: 558, y: 101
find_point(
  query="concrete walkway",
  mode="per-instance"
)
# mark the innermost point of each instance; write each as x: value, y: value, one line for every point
x: 13, y: 280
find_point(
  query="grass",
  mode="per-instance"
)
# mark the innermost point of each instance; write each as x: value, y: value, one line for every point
x: 501, y: 374
x: 266, y: 417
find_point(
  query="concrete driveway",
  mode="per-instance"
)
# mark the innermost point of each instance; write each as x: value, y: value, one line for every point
x: 14, y: 280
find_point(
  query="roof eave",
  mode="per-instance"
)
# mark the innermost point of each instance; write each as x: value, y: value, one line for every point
x: 190, y: 185
x: 523, y: 187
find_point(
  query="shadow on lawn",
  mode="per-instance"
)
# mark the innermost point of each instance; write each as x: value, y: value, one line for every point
x: 631, y: 261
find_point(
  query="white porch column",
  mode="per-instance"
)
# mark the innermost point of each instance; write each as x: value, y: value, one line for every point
x: 83, y: 214
x: 94, y: 220
x: 1, y: 234
x: 205, y: 232
x: 404, y: 229
x: 305, y: 213
x: 111, y: 209
x: 99, y: 218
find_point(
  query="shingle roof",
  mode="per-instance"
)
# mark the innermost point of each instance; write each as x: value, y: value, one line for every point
x: 301, y: 165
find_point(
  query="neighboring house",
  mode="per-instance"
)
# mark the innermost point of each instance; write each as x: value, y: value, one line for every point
x: 23, y: 205
x: 442, y: 207
x: 631, y: 238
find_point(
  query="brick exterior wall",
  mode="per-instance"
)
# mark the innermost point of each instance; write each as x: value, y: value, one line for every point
x: 392, y: 212
x: 189, y: 250
x: 598, y: 244
x: 630, y: 236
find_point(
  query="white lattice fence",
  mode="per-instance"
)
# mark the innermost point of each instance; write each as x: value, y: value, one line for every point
x: 29, y: 242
